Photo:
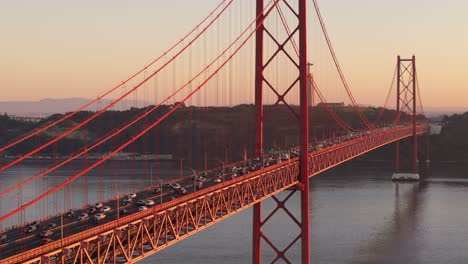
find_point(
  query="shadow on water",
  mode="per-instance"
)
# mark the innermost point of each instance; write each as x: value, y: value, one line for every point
x: 397, y: 240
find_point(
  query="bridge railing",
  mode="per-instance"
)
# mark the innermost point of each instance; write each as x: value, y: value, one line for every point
x: 334, y: 154
x: 337, y: 154
x: 56, y: 246
x: 57, y: 215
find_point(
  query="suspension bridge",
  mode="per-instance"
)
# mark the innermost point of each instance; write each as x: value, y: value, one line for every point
x: 237, y: 54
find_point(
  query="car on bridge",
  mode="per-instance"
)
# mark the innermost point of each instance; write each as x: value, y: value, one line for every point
x: 200, y: 178
x: 46, y: 240
x: 149, y: 202
x: 132, y: 195
x: 97, y: 205
x: 99, y: 216
x: 182, y: 190
x: 92, y: 210
x: 105, y: 209
x: 50, y: 226
x: 46, y: 233
x: 83, y: 216
x: 71, y: 213
x: 176, y: 186
x: 33, y: 225
x: 31, y: 229
x: 142, y: 208
x: 127, y: 200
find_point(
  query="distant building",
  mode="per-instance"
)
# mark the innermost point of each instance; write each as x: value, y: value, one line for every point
x: 332, y: 105
x: 435, y: 129
x: 26, y: 118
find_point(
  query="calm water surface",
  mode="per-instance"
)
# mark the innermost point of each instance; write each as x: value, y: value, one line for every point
x: 357, y: 216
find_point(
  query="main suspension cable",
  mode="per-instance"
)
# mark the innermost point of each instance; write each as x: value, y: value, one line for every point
x: 71, y: 114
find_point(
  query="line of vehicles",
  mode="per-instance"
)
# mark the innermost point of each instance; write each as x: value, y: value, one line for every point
x: 98, y: 212
x: 97, y: 209
x: 45, y: 231
x: 176, y: 187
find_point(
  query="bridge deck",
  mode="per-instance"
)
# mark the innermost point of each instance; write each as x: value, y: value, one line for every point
x: 141, y: 234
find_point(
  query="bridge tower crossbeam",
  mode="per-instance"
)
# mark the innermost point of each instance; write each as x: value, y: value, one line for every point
x: 406, y: 103
x: 303, y: 121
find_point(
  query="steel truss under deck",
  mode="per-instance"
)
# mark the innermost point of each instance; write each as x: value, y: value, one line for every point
x: 142, y: 234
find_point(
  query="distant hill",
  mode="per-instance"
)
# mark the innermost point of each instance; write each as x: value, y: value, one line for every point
x: 189, y: 133
x: 193, y: 133
x: 448, y: 110
x: 46, y: 107
x: 451, y: 144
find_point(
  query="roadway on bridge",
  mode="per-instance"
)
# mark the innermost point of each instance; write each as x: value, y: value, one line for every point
x: 19, y: 241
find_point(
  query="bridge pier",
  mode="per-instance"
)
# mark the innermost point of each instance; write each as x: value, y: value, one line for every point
x: 405, y: 176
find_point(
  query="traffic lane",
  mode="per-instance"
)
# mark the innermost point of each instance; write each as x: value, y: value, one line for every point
x: 79, y: 226
x: 19, y: 233
x: 74, y: 226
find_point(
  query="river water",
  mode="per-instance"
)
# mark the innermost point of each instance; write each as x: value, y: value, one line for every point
x: 357, y: 215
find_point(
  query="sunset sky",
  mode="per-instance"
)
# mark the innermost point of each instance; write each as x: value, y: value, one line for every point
x: 56, y: 48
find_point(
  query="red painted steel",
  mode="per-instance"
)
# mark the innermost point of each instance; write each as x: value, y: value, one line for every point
x: 114, y: 133
x: 149, y: 127
x: 120, y: 98
x: 303, y: 120
x: 139, y: 235
x: 259, y: 80
x: 257, y: 208
x: 406, y: 101
x: 397, y: 144
x: 304, y: 105
x: 338, y: 67
x: 123, y: 83
x: 415, y: 137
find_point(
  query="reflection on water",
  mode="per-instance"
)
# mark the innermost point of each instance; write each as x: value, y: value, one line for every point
x: 396, y: 241
x: 448, y: 180
x: 358, y: 215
